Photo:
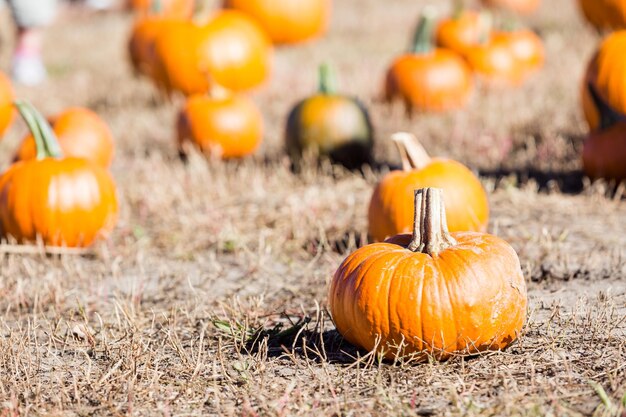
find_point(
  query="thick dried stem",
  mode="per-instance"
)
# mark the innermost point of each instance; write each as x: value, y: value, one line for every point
x: 430, y: 229
x: 413, y: 154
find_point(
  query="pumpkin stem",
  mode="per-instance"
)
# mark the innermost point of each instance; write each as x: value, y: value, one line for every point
x: 430, y: 228
x: 413, y: 154
x: 46, y: 142
x: 327, y: 80
x: 423, y: 36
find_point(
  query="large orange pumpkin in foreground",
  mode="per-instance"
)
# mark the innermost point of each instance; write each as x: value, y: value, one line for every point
x: 606, y: 74
x: 391, y: 206
x: 287, y: 21
x: 6, y: 103
x: 429, y: 78
x: 604, y: 152
x: 81, y: 133
x: 431, y: 293
x: 221, y: 124
x: 516, y: 6
x: 61, y: 201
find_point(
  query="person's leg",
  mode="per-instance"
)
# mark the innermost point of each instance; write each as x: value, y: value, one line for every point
x: 30, y: 17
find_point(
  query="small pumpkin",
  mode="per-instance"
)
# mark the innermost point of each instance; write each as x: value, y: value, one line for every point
x: 526, y: 47
x: 331, y: 125
x: 428, y: 78
x: 495, y: 63
x: 6, y: 103
x: 81, y: 133
x: 431, y: 293
x: 391, y: 206
x: 141, y: 43
x: 516, y: 6
x: 176, y: 9
x: 62, y: 201
x: 460, y: 31
x: 287, y: 21
x: 220, y: 124
x: 606, y: 75
x: 604, y: 14
x: 604, y: 152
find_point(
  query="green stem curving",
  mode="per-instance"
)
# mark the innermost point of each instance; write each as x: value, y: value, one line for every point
x: 423, y: 36
x: 46, y: 142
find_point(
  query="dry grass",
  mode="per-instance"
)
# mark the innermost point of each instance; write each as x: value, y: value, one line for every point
x: 210, y: 297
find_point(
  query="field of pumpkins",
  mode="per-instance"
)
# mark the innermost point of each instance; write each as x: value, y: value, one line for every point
x: 317, y: 207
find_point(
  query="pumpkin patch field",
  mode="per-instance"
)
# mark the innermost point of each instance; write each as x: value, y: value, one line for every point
x: 179, y: 237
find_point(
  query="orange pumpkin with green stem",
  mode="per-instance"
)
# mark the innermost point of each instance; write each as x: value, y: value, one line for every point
x: 428, y: 78
x: 220, y: 124
x: 61, y: 201
x: 6, y: 103
x: 432, y: 293
x: 460, y: 31
x: 81, y: 133
x: 391, y: 206
x: 287, y: 21
x: 330, y: 125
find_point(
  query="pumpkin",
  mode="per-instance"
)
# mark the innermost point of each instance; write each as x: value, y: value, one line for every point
x: 495, y: 62
x: 433, y: 293
x: 331, y: 125
x: 460, y: 31
x: 141, y: 43
x: 81, y: 133
x: 391, y: 206
x: 526, y: 47
x: 604, y: 152
x: 516, y: 6
x: 6, y: 103
x: 60, y: 201
x: 287, y: 21
x: 428, y: 78
x: 220, y: 124
x: 177, y: 9
x: 606, y: 76
x: 604, y: 14
x: 235, y: 51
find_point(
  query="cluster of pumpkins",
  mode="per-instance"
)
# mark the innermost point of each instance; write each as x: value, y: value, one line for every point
x: 603, y: 92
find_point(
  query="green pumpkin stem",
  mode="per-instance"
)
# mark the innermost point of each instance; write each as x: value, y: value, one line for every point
x: 423, y: 36
x: 430, y: 228
x: 412, y: 153
x: 46, y: 142
x: 327, y: 80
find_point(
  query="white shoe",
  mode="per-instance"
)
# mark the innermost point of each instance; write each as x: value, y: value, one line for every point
x: 28, y: 70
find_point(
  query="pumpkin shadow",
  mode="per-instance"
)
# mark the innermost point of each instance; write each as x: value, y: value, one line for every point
x: 567, y: 182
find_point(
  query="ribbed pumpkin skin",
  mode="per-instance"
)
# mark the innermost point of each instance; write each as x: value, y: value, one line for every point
x: 6, y: 103
x: 81, y: 133
x: 177, y: 9
x: 604, y: 153
x: 437, y: 81
x: 231, y: 127
x: 391, y: 206
x: 330, y: 125
x: 287, y: 21
x: 235, y: 51
x: 517, y: 6
x: 495, y: 63
x: 67, y: 202
x: 458, y: 34
x: 469, y: 298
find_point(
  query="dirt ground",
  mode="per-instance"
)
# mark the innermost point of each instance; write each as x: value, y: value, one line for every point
x: 210, y: 298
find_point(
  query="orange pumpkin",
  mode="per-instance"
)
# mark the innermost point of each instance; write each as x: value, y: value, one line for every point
x: 390, y: 210
x: 462, y: 30
x: 516, y: 6
x: 81, y: 133
x: 428, y: 78
x: 221, y: 125
x: 287, y: 21
x: 604, y: 14
x: 606, y: 74
x: 177, y: 9
x: 526, y: 46
x: 62, y: 201
x: 141, y: 43
x: 604, y: 153
x: 235, y: 51
x: 431, y: 293
x: 6, y: 103
x: 494, y: 61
